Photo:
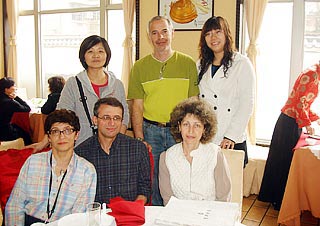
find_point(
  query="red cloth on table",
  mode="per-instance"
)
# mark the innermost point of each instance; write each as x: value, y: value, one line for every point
x: 10, y: 165
x: 127, y: 213
x: 22, y: 120
x: 302, y: 141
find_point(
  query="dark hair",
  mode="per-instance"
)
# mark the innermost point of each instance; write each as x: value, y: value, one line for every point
x: 88, y: 43
x: 206, y: 55
x: 201, y: 110
x: 56, y: 84
x: 114, y: 102
x: 62, y: 116
x: 6, y: 83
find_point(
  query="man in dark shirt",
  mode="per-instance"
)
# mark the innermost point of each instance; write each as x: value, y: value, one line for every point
x: 122, y: 162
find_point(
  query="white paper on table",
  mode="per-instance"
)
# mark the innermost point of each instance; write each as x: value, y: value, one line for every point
x: 198, y: 213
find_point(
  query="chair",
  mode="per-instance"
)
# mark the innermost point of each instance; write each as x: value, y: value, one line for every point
x: 235, y: 159
x: 13, y: 144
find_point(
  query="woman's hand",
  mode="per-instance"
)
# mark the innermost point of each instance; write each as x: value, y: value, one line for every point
x: 310, y: 130
x: 227, y: 144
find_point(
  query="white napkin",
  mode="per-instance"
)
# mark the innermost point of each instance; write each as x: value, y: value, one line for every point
x: 315, y: 150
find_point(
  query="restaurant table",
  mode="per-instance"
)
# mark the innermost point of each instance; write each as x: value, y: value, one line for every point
x: 303, y: 186
x: 33, y: 123
x: 37, y: 126
x: 151, y: 212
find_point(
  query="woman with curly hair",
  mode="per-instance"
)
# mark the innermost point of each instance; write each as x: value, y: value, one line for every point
x: 226, y: 81
x: 195, y: 168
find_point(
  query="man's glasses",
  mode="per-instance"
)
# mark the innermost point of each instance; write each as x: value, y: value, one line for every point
x: 108, y: 118
x: 56, y: 132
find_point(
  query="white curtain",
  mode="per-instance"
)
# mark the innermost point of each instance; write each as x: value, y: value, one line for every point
x: 12, y: 10
x: 128, y: 44
x: 254, y: 12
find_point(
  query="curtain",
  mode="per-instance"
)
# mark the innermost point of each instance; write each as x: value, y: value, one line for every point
x: 12, y: 10
x: 254, y: 12
x: 128, y: 44
x: 1, y: 43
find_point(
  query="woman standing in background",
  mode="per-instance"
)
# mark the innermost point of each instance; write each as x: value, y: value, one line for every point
x: 295, y: 115
x: 226, y: 81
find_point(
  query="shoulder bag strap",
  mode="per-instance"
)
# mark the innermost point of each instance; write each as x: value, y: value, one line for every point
x: 83, y: 99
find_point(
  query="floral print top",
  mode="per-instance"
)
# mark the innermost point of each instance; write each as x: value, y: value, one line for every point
x: 303, y: 94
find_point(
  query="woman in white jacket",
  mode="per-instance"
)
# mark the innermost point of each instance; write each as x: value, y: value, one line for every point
x: 226, y: 80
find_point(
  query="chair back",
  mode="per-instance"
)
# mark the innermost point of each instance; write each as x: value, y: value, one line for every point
x: 235, y: 159
x: 13, y: 144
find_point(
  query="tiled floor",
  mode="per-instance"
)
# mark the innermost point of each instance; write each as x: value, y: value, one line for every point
x: 255, y: 213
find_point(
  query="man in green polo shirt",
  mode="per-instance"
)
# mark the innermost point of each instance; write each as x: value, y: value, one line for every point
x: 158, y: 82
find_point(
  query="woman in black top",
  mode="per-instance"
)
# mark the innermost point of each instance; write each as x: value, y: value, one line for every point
x: 56, y: 85
x: 9, y: 104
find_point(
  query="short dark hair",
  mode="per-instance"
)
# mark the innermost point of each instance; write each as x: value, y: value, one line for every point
x: 112, y: 101
x: 6, y: 83
x: 56, y: 84
x: 88, y: 43
x: 62, y: 116
x: 201, y: 110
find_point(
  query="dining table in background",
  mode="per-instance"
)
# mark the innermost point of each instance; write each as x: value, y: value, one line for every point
x: 33, y: 123
x: 303, y: 186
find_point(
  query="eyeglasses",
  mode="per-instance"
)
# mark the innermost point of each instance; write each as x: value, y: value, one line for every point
x: 163, y: 67
x: 67, y: 132
x: 108, y: 118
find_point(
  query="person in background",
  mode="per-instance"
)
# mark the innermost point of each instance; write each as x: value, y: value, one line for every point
x: 10, y: 103
x: 122, y: 163
x: 158, y: 82
x: 96, y: 81
x: 56, y: 183
x: 226, y: 81
x: 295, y: 116
x: 195, y: 168
x: 56, y: 85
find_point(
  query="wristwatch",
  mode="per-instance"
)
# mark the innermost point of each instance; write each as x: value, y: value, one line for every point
x: 140, y: 139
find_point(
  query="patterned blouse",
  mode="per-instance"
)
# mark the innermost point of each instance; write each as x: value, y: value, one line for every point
x: 303, y: 94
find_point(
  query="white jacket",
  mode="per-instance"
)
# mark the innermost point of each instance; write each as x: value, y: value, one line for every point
x: 232, y: 97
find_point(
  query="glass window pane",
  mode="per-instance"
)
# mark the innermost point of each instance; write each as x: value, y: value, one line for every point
x: 26, y: 5
x: 26, y: 55
x: 61, y: 37
x: 115, y: 1
x: 311, y: 34
x: 115, y: 40
x: 67, y: 4
x: 273, y: 66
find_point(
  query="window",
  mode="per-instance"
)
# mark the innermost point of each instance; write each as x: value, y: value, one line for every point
x: 285, y: 49
x: 50, y: 33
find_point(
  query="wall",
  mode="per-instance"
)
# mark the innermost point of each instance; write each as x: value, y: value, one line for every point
x: 184, y: 41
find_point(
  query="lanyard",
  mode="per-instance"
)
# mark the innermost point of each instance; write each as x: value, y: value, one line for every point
x: 50, y: 212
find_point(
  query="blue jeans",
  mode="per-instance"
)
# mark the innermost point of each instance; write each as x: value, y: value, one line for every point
x: 160, y: 139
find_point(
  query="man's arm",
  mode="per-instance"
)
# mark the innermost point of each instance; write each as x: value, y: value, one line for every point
x: 137, y: 117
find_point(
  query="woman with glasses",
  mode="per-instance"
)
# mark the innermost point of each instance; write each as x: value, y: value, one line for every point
x: 226, y: 81
x: 195, y: 168
x: 96, y: 82
x: 11, y: 103
x: 55, y: 183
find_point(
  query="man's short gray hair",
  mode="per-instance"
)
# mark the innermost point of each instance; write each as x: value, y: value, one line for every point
x: 159, y: 18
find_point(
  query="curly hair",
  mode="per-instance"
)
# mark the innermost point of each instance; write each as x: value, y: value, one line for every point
x: 62, y: 116
x: 56, y: 84
x: 206, y: 55
x: 201, y: 110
